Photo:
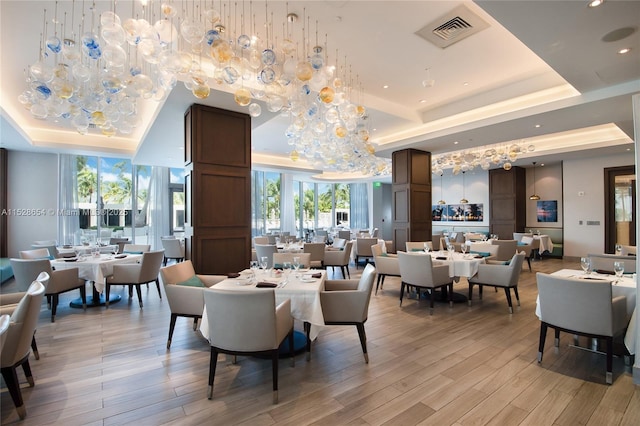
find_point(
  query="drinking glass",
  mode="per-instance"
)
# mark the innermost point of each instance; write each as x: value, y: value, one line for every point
x: 253, y: 265
x: 463, y: 248
x: 585, y: 264
x: 426, y: 247
x: 296, y: 264
x: 618, y: 248
x: 618, y: 268
x: 264, y: 262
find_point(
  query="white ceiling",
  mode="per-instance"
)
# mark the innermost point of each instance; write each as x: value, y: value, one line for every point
x: 538, y: 63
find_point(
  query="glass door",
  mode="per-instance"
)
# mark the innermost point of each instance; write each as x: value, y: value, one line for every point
x: 620, y: 214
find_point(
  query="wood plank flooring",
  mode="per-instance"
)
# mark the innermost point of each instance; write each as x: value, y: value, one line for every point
x: 461, y: 366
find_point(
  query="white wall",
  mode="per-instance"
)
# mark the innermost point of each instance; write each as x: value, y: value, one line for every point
x: 586, y: 176
x: 32, y: 187
x: 548, y: 185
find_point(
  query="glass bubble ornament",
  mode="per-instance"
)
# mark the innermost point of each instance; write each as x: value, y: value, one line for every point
x: 108, y: 130
x: 54, y: 44
x: 267, y: 75
x: 326, y: 95
x: 192, y: 31
x: 221, y: 51
x: 316, y: 61
x: 288, y: 46
x: 268, y: 57
x: 242, y: 96
x: 304, y: 71
x: 132, y: 31
x: 244, y: 41
x: 41, y: 72
x: 62, y: 88
x: 274, y: 103
x: 506, y: 166
x: 294, y: 155
x: 212, y: 16
x: 143, y: 84
x: 255, y: 110
x: 39, y: 111
x: 167, y: 32
x: 230, y: 75
x: 97, y: 117
x: 113, y: 34
x: 168, y: 10
x: 114, y: 56
x: 340, y: 131
x: 201, y: 91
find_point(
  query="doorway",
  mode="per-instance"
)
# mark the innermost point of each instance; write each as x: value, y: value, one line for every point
x: 620, y: 211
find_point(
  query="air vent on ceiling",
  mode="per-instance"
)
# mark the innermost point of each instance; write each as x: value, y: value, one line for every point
x: 456, y: 25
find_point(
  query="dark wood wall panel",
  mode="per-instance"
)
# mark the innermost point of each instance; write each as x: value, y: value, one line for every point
x: 217, y: 189
x: 411, y: 197
x: 507, y: 199
x: 4, y: 201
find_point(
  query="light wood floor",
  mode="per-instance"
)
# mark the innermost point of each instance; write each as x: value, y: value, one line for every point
x: 463, y: 366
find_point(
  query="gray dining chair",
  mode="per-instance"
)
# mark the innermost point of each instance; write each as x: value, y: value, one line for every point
x: 499, y: 276
x: 136, y: 274
x: 417, y: 270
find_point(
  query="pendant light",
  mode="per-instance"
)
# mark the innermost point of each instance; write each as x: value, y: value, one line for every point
x: 442, y: 201
x: 535, y: 196
x: 464, y: 199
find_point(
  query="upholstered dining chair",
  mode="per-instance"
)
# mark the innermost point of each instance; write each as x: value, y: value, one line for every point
x: 338, y: 244
x: 499, y: 276
x: 136, y: 274
x: 247, y: 323
x: 346, y: 302
x: 417, y: 245
x: 40, y: 253
x: 173, y: 249
x: 260, y: 240
x: 339, y: 258
x: 120, y: 242
x: 582, y: 307
x: 345, y: 235
x: 530, y: 246
x: 628, y: 250
x: 15, y: 352
x: 47, y: 244
x: 183, y: 288
x: 266, y: 250
x: 4, y: 326
x: 136, y: 248
x: 604, y: 263
x: 316, y: 250
x: 280, y: 258
x: 417, y: 270
x: 363, y: 249
x: 386, y: 265
x: 507, y: 248
x: 60, y: 281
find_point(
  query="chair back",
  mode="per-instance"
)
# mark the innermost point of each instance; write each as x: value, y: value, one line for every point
x: 23, y: 322
x: 628, y: 250
x: 339, y: 243
x: 136, y: 248
x: 363, y: 246
x: 473, y: 236
x: 41, y: 253
x: 516, y: 267
x: 576, y: 304
x: 260, y: 240
x: 416, y: 269
x: 243, y: 321
x: 375, y: 233
x: 53, y: 250
x: 377, y: 251
x: 604, y: 262
x: 316, y: 250
x: 266, y: 250
x: 482, y: 248
x: 177, y: 272
x: 4, y: 327
x: 346, y: 253
x: 322, y: 232
x: 150, y: 265
x: 173, y: 248
x: 320, y: 239
x: 518, y: 235
x: 417, y: 245
x: 365, y: 285
x: 506, y: 250
x: 346, y: 235
x: 26, y: 271
x: 272, y: 239
x: 280, y: 258
x: 117, y: 240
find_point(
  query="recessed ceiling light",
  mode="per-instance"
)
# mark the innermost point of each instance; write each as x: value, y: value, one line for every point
x: 625, y: 50
x: 595, y: 3
x: 466, y: 83
x: 455, y: 142
x: 386, y: 86
x: 374, y: 129
x: 423, y: 101
x: 537, y: 125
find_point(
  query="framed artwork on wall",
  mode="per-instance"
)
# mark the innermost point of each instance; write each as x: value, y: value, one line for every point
x: 547, y: 211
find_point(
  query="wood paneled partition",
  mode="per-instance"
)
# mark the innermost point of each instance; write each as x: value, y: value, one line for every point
x: 507, y: 198
x: 217, y: 189
x: 411, y: 194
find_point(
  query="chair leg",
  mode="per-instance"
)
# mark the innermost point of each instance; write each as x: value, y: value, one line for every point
x: 54, y: 306
x: 291, y: 353
x: 431, y: 300
x: 543, y: 336
x: 213, y: 361
x: 27, y: 372
x: 480, y: 288
x: 609, y: 376
x: 470, y: 293
x: 508, y: 294
x: 158, y: 287
x: 107, y: 290
x: 195, y: 323
x: 382, y: 282
x: 556, y: 342
x: 378, y: 282
x: 139, y: 291
x: 172, y: 326
x: 34, y: 347
x: 529, y: 262
x: 274, y: 373
x: 11, y: 379
x: 515, y: 290
x: 363, y: 341
x: 451, y: 295
x: 401, y: 292
x: 307, y: 330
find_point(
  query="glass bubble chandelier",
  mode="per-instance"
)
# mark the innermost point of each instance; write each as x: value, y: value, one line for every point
x: 485, y: 157
x: 95, y: 74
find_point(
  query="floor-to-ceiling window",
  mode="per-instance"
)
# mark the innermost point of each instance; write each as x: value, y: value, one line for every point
x: 176, y: 200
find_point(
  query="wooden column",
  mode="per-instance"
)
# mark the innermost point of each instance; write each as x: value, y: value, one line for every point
x: 411, y: 188
x: 217, y: 189
x: 507, y: 198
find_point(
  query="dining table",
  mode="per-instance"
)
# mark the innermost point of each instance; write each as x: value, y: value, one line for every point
x: 70, y: 250
x: 546, y: 245
x: 302, y: 289
x: 95, y: 269
x: 625, y: 286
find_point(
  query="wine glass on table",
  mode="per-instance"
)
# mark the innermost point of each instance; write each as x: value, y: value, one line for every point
x: 585, y: 264
x: 463, y: 248
x: 296, y: 265
x: 253, y: 266
x: 426, y: 247
x: 618, y: 268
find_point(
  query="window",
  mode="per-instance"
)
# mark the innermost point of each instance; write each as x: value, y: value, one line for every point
x: 176, y: 200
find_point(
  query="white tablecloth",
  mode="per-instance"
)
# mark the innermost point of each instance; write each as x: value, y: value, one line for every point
x: 545, y: 243
x: 304, y: 296
x: 95, y: 269
x: 625, y: 287
x: 460, y: 265
x: 85, y: 249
